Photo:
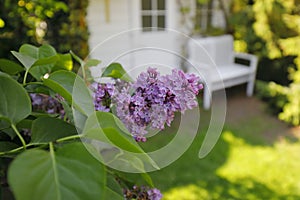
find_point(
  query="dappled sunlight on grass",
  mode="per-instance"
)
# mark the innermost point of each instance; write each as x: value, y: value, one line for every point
x: 276, y: 167
x: 236, y: 169
x: 256, y: 158
x: 189, y: 192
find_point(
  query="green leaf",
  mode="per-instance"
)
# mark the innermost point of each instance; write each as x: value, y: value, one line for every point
x: 148, y: 179
x: 61, y: 82
x: 69, y: 173
x: 42, y: 66
x: 46, y: 51
x: 7, y: 146
x: 79, y: 60
x: 26, y: 60
x: 29, y: 50
x: 4, y: 124
x: 106, y: 128
x: 42, y: 59
x: 10, y: 132
x: 82, y: 98
x: 115, y: 70
x: 15, y: 103
x: 64, y: 62
x: 113, y: 129
x: 113, y: 189
x: 10, y: 67
x: 92, y: 62
x: 49, y: 129
x: 46, y: 61
x: 25, y: 124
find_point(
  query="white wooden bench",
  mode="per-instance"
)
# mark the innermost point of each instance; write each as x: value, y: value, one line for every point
x: 221, y: 71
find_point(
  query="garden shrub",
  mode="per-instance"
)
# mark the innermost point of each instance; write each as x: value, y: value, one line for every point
x: 269, y: 29
x: 282, y: 100
x: 62, y: 130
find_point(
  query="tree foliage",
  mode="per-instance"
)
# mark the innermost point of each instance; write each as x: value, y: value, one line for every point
x: 61, y: 24
x: 271, y: 30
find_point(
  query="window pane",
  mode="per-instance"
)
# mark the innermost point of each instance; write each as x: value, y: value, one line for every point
x: 146, y: 21
x: 161, y: 21
x: 146, y: 4
x: 161, y: 4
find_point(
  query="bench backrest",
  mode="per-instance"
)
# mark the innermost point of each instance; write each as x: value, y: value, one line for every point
x: 220, y: 48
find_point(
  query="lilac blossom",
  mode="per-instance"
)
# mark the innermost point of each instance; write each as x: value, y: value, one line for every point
x: 151, y: 101
x: 48, y: 104
x: 154, y: 194
x: 102, y: 96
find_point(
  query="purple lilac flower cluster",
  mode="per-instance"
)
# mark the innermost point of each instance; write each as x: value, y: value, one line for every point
x: 142, y: 193
x: 48, y: 104
x: 155, y: 99
x: 151, y: 101
x: 102, y: 96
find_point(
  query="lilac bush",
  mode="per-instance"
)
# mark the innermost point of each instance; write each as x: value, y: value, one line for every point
x: 40, y: 132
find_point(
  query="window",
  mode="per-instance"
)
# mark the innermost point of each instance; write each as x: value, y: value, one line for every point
x: 153, y: 15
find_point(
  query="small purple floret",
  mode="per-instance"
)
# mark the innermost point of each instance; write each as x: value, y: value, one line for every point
x: 102, y: 96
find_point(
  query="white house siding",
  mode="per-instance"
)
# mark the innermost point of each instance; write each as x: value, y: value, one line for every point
x: 101, y: 29
x: 112, y: 41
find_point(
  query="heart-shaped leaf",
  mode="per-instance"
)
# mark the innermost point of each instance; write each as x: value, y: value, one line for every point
x: 69, y: 173
x: 15, y: 103
x: 46, y: 51
x: 37, y: 60
x: 49, y: 129
x: 115, y: 70
x: 29, y: 50
x: 26, y: 60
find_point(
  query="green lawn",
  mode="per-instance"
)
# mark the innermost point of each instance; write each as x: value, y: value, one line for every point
x: 253, y: 159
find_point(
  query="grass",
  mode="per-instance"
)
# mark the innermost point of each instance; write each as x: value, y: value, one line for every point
x: 247, y: 163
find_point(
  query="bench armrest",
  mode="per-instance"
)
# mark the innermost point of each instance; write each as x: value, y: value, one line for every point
x: 250, y: 57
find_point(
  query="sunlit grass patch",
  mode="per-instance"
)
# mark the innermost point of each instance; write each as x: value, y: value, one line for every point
x: 188, y: 192
x: 253, y: 160
x: 276, y: 167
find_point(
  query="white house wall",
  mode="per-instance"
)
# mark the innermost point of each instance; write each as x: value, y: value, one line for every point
x: 114, y: 40
x: 101, y: 29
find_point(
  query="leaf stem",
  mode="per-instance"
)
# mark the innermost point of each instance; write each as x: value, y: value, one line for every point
x: 15, y: 150
x: 19, y: 135
x: 25, y: 77
x: 70, y: 138
x: 55, y: 172
x: 83, y: 72
x: 40, y: 144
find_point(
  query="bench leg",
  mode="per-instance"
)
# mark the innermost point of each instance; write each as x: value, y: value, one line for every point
x: 206, y: 98
x: 250, y: 86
